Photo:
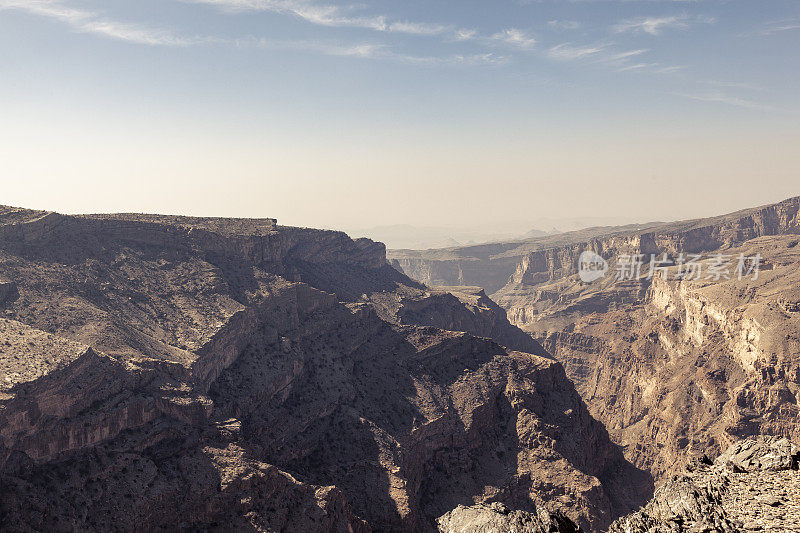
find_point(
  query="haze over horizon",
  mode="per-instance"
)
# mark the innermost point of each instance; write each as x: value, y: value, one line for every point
x: 434, y: 113
x: 580, y: 304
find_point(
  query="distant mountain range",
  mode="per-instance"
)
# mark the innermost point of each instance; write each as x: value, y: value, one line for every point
x: 409, y: 236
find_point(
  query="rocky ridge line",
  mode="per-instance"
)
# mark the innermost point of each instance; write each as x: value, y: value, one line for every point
x: 753, y: 486
x: 164, y: 372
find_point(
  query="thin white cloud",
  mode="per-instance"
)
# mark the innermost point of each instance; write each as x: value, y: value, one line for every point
x: 361, y: 50
x: 417, y: 28
x: 336, y: 16
x: 604, y: 54
x: 465, y: 35
x: 650, y: 25
x: 564, y: 24
x: 84, y: 21
x: 458, y: 59
x: 320, y: 14
x: 570, y: 52
x: 90, y: 22
x: 625, y: 56
x: 722, y: 98
x: 370, y: 51
x: 734, y: 85
x: 781, y: 26
x: 624, y: 61
x: 656, y: 25
x: 637, y: 66
x: 669, y: 69
x: 785, y: 27
x: 515, y: 37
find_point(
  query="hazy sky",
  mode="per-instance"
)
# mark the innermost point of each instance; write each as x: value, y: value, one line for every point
x: 427, y: 112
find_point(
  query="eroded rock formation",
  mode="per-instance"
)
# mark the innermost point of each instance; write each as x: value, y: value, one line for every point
x: 490, y: 265
x: 497, y: 518
x: 691, y: 364
x: 216, y: 374
x: 753, y: 486
x: 671, y: 367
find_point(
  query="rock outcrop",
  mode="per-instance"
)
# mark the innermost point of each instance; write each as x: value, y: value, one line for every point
x: 497, y: 518
x: 218, y: 374
x: 693, y: 236
x: 455, y: 309
x: 753, y: 486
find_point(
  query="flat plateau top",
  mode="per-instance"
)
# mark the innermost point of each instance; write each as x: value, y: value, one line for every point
x: 239, y: 226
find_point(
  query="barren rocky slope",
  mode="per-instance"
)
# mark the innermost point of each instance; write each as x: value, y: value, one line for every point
x: 753, y: 486
x: 673, y: 366
x: 497, y: 518
x: 692, y: 236
x: 216, y: 374
x: 689, y: 364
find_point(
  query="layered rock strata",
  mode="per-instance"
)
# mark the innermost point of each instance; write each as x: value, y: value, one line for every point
x: 215, y: 374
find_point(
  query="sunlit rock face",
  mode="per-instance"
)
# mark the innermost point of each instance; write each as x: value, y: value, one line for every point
x: 673, y: 365
x: 497, y: 518
x: 753, y: 486
x: 668, y: 366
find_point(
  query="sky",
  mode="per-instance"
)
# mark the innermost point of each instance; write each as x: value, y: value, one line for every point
x: 422, y: 112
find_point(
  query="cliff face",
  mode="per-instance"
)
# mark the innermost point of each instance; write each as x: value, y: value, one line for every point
x: 684, y: 237
x: 503, y: 266
x: 673, y: 366
x: 490, y: 273
x: 667, y: 366
x: 409, y: 422
x: 219, y: 374
x: 497, y: 518
x: 455, y: 309
x: 489, y: 265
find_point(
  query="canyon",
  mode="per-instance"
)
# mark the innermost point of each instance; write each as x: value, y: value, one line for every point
x: 184, y: 373
x: 672, y: 366
x: 161, y: 372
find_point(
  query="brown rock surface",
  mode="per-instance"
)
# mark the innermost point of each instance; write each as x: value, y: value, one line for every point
x: 691, y: 365
x: 497, y: 518
x: 491, y: 265
x: 666, y: 365
x: 218, y: 374
x: 753, y: 486
x: 672, y: 368
x: 454, y: 309
x: 671, y: 365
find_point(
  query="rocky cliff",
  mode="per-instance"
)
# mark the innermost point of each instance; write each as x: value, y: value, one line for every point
x: 693, y: 236
x: 497, y: 518
x: 671, y: 365
x: 503, y: 266
x: 753, y: 486
x: 217, y: 374
x: 455, y: 309
x: 490, y: 266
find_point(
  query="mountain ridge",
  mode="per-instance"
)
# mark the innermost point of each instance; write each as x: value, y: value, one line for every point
x: 199, y: 373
